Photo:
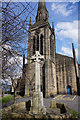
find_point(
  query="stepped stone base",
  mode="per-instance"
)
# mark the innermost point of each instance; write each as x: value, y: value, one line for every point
x: 18, y: 112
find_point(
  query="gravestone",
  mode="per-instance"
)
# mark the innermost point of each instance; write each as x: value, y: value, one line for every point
x: 37, y: 98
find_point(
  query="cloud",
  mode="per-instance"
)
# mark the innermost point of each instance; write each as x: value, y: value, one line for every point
x: 76, y: 50
x: 67, y: 30
x: 69, y: 52
x: 61, y: 8
x: 66, y: 51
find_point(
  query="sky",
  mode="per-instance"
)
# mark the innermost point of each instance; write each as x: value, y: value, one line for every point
x: 66, y: 24
x: 65, y: 18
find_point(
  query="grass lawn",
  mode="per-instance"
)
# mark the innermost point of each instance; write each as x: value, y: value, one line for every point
x: 75, y: 114
x: 6, y: 99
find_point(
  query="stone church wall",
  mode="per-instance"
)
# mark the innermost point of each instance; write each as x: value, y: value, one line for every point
x: 50, y: 78
x: 65, y: 72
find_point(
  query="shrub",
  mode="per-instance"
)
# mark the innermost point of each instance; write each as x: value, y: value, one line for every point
x: 6, y: 99
x: 75, y: 114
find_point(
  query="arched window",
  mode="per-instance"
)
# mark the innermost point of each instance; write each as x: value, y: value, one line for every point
x: 33, y: 45
x: 41, y: 44
x: 37, y: 42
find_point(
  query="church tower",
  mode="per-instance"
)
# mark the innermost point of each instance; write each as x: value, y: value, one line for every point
x: 42, y: 38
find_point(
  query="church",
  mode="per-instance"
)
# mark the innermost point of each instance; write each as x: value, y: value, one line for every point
x: 59, y: 74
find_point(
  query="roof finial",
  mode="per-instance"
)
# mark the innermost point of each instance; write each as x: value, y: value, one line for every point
x: 74, y: 53
x: 30, y: 22
x: 53, y: 28
x: 53, y: 25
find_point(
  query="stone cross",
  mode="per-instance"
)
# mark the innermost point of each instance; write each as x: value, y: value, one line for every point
x: 37, y: 58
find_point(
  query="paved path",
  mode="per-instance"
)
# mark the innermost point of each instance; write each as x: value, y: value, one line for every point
x: 72, y: 101
x: 5, y: 95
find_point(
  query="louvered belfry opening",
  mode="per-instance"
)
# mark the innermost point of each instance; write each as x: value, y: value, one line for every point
x: 33, y: 45
x: 41, y: 44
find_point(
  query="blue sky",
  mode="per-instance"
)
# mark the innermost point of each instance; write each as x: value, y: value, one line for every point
x: 65, y: 18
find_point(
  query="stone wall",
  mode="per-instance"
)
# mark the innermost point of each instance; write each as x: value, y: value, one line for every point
x: 65, y: 72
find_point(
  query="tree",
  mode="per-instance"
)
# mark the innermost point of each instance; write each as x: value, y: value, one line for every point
x: 15, y: 25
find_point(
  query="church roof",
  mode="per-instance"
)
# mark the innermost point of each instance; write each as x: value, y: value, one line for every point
x: 60, y: 55
x: 39, y: 24
x: 61, y: 59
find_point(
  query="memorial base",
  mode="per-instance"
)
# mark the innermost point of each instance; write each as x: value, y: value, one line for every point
x: 37, y: 104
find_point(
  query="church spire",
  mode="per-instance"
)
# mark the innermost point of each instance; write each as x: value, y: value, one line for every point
x: 42, y: 13
x: 41, y: 4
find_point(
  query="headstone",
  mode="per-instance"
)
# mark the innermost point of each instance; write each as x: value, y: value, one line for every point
x: 28, y: 105
x: 27, y: 90
x: 37, y: 98
x: 53, y: 104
